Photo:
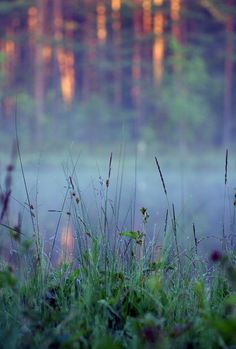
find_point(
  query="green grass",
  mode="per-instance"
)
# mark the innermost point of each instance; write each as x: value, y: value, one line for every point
x: 121, y: 290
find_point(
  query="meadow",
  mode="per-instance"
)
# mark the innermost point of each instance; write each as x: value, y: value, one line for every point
x: 122, y: 287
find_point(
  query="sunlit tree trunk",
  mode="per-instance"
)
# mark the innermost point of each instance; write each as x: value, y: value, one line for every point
x: 66, y: 64
x: 116, y: 26
x: 146, y: 46
x: 228, y: 72
x: 39, y: 84
x: 86, y: 70
x: 101, y: 21
x: 90, y: 82
x: 136, y: 69
x: 102, y: 34
x: 63, y: 57
x: 175, y: 10
x: 58, y: 37
x: 57, y: 25
x: 159, y: 43
x: 9, y: 50
x: 147, y: 16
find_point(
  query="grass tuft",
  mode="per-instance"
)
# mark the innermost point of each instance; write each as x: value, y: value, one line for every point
x: 121, y: 289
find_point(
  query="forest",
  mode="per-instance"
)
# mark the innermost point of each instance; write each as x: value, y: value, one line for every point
x: 162, y: 70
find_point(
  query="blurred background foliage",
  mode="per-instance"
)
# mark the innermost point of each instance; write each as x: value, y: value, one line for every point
x: 90, y: 71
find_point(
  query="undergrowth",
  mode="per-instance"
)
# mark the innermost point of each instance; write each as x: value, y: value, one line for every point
x: 121, y: 289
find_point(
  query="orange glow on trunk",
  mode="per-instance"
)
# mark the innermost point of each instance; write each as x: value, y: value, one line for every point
x: 32, y: 18
x: 158, y: 46
x: 9, y: 48
x: 47, y: 53
x: 136, y: 59
x: 67, y: 72
x: 116, y: 26
x: 101, y: 22
x: 65, y: 58
x: 175, y: 10
x: 115, y: 4
x: 147, y: 18
x: 116, y: 22
x: 175, y: 7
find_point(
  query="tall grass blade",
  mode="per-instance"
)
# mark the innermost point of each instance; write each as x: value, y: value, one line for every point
x: 161, y: 176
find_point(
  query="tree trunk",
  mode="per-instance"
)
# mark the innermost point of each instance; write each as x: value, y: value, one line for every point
x: 228, y: 77
x: 116, y: 26
x: 175, y: 9
x: 58, y: 36
x: 39, y: 84
x: 158, y: 44
x: 136, y: 72
x: 90, y: 83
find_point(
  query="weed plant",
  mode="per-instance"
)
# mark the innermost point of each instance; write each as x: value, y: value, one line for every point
x: 121, y: 289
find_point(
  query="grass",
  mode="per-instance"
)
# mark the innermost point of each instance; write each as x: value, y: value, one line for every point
x: 121, y: 289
